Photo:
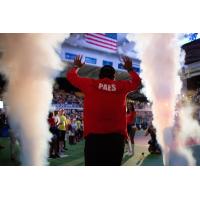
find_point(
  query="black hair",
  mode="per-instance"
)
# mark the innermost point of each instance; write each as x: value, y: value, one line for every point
x: 55, y: 112
x: 107, y: 71
x: 50, y: 114
x: 130, y: 107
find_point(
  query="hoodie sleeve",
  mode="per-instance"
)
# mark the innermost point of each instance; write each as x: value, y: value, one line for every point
x: 79, y: 82
x: 131, y: 85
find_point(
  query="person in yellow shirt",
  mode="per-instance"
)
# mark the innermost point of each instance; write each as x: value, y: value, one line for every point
x: 62, y: 127
x: 68, y: 123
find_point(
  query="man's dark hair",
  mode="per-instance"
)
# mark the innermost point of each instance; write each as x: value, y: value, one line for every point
x: 107, y: 71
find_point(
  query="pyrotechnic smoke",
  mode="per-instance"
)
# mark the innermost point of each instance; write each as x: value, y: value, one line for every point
x: 30, y: 64
x: 189, y: 126
x: 160, y: 62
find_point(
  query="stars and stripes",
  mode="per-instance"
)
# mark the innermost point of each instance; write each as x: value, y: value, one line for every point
x: 102, y: 41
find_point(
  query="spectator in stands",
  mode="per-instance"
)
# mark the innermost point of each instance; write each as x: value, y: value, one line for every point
x: 104, y: 112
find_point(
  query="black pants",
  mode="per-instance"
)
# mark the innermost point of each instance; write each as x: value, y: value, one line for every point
x: 62, y: 137
x: 104, y: 149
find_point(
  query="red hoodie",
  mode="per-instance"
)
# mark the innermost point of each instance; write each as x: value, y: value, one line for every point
x: 104, y: 102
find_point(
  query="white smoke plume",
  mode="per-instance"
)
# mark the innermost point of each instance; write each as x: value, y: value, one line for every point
x: 175, y: 150
x: 160, y: 56
x: 189, y: 126
x: 30, y: 64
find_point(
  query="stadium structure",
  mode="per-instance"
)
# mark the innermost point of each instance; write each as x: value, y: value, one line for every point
x: 191, y: 70
x: 96, y: 56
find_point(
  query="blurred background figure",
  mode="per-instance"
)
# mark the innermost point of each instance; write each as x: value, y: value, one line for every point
x: 130, y: 117
x: 54, y: 148
x: 154, y: 147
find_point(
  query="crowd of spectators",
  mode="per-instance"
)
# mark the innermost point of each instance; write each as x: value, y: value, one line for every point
x: 62, y: 97
x: 142, y: 105
x: 71, y: 99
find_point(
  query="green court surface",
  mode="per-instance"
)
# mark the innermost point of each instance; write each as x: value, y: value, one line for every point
x: 146, y: 159
x: 74, y: 156
x: 5, y: 153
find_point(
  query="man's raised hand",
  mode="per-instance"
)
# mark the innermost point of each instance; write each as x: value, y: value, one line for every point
x: 127, y: 63
x: 78, y: 61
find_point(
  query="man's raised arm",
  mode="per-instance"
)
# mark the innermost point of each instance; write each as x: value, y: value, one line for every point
x: 135, y: 81
x: 74, y: 78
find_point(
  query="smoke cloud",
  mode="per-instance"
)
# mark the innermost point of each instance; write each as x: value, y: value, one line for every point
x: 189, y: 126
x: 160, y: 56
x: 30, y: 64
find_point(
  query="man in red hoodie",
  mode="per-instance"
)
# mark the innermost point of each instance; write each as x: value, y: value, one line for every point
x: 105, y: 125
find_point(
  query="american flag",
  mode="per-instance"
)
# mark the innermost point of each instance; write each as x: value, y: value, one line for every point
x: 102, y: 41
